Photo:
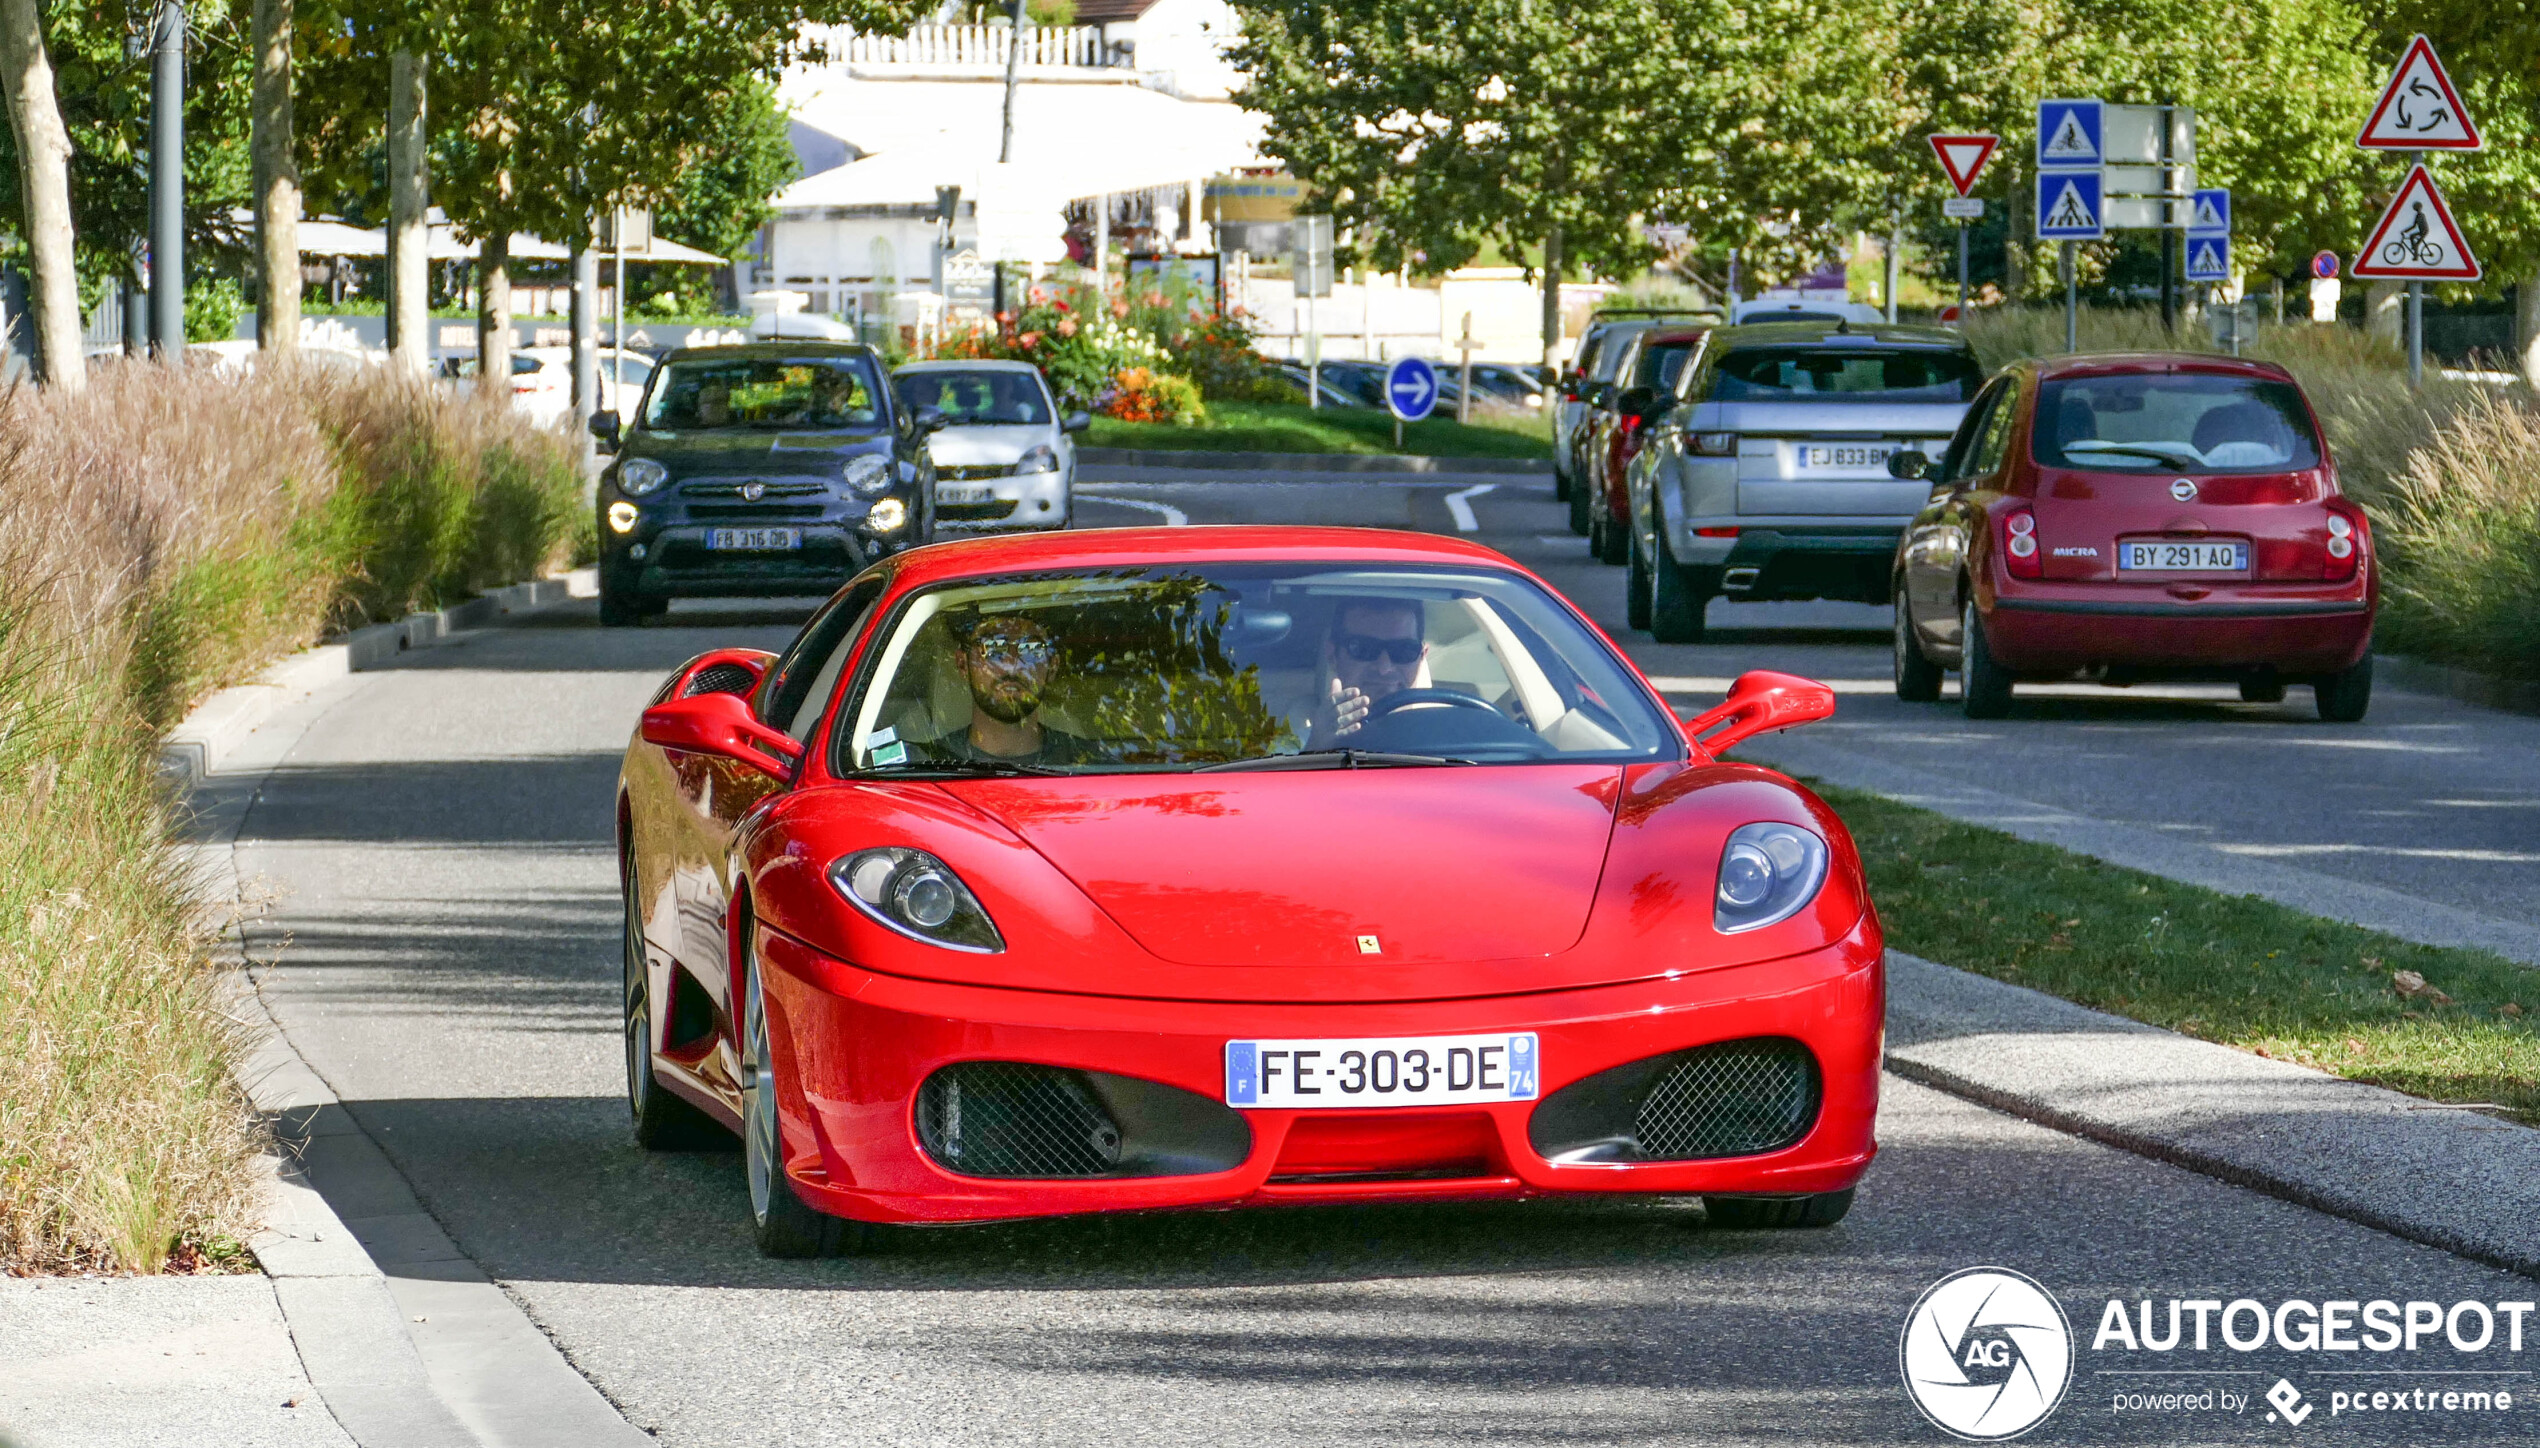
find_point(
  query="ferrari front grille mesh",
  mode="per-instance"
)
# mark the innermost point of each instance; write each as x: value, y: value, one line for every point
x: 1006, y: 1119
x: 1738, y: 1098
x: 719, y: 679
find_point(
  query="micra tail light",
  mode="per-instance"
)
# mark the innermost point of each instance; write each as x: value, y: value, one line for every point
x: 2020, y: 554
x: 2349, y: 534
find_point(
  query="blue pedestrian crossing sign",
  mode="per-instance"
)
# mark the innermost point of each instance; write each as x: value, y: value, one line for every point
x: 1411, y: 388
x: 2209, y: 212
x: 2069, y: 135
x: 2068, y: 206
x: 2209, y: 258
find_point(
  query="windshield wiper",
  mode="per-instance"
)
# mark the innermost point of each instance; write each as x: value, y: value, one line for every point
x: 2173, y: 457
x: 1329, y: 759
x: 974, y: 769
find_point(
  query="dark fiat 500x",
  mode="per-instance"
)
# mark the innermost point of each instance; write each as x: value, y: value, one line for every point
x: 755, y: 471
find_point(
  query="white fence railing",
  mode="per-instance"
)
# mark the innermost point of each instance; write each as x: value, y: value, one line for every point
x: 966, y: 46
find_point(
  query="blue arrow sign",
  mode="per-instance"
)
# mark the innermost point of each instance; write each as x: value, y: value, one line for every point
x: 2068, y: 206
x: 2068, y: 135
x: 2209, y: 212
x: 1411, y: 388
x: 2209, y: 258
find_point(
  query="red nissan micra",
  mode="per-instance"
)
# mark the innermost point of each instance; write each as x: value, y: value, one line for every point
x: 2127, y: 517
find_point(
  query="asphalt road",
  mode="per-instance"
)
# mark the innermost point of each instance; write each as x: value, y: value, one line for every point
x: 445, y: 917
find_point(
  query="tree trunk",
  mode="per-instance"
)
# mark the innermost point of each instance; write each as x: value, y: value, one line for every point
x: 494, y: 315
x: 1552, y: 297
x: 587, y: 391
x: 277, y: 181
x: 409, y: 197
x: 44, y: 157
x: 2527, y: 326
x: 2385, y: 311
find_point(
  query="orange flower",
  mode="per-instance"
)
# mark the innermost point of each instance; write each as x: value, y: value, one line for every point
x: 1067, y: 326
x: 1029, y: 340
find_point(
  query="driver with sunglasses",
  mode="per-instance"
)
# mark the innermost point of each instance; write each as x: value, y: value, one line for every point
x: 1377, y: 648
x: 1007, y: 660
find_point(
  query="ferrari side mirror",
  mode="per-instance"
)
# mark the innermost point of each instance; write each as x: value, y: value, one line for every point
x: 722, y: 725
x: 1760, y: 702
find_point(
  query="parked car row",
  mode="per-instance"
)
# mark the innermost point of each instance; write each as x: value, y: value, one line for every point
x: 1349, y: 382
x: 2120, y: 518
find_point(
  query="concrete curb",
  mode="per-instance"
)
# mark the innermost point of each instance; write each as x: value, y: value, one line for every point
x: 1272, y: 462
x: 2373, y: 907
x: 2448, y: 1178
x: 406, y: 1341
x: 2513, y: 696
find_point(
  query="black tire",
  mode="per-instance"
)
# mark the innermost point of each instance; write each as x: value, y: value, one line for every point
x: 1636, y: 584
x: 1560, y: 481
x: 1579, y: 506
x: 2261, y: 689
x: 664, y: 1121
x: 1983, y: 685
x: 1772, y: 1213
x: 1676, y: 602
x: 781, y: 1223
x: 1917, y: 677
x: 2345, y: 696
x: 1610, y: 540
x: 618, y: 609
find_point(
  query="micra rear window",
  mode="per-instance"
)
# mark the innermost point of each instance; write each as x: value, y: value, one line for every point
x: 2174, y: 422
x: 1847, y: 374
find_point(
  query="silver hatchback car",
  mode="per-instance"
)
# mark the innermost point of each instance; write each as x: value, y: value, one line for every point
x: 1769, y: 477
x: 1006, y: 460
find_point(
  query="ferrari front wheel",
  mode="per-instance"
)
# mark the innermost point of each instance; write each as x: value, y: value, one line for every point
x: 783, y: 1225
x: 1739, y: 1213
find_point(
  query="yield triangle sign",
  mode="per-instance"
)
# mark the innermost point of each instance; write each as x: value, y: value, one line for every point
x: 2419, y: 110
x: 2417, y: 239
x: 1964, y: 156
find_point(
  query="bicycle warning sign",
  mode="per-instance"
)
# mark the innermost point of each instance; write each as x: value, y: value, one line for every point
x: 2417, y: 239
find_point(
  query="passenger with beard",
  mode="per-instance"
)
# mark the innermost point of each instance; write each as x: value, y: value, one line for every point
x: 1007, y: 660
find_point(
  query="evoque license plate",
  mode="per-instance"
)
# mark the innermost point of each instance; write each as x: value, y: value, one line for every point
x: 2162, y: 556
x: 1844, y: 455
x: 753, y: 540
x: 1384, y: 1071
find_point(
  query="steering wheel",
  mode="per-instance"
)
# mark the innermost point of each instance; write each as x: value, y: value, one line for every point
x: 1410, y: 698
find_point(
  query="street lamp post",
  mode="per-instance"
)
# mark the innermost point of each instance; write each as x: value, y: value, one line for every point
x: 167, y: 183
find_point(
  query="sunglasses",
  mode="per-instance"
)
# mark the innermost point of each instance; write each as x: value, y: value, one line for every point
x: 1365, y: 649
x: 1005, y: 653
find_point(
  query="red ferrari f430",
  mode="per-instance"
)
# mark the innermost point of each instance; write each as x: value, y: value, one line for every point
x: 1215, y: 867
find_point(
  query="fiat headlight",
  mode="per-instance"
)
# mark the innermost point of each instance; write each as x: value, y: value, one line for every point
x: 868, y: 474
x: 917, y: 895
x: 638, y: 476
x: 1768, y: 873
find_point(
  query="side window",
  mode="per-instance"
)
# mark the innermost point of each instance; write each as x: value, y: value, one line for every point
x: 1956, y: 464
x: 809, y: 670
x: 1996, y: 437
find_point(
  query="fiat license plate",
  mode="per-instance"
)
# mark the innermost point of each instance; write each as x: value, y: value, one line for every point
x: 2168, y: 557
x: 963, y: 493
x: 1384, y: 1071
x: 753, y: 540
x: 1846, y: 456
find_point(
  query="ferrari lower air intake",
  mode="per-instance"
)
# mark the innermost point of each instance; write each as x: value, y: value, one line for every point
x: 1019, y: 1121
x: 1732, y: 1098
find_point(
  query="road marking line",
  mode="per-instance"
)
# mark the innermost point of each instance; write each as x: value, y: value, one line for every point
x: 1173, y: 517
x: 1461, y: 505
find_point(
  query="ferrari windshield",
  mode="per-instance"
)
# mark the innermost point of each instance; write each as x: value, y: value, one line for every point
x: 1240, y: 666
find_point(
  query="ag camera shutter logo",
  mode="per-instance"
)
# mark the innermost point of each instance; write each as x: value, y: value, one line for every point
x: 1986, y: 1354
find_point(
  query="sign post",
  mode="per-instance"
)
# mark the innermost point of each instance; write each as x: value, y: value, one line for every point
x: 2419, y: 111
x: 1310, y: 263
x: 1962, y: 159
x: 1465, y: 346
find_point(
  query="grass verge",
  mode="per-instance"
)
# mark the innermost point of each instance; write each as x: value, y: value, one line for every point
x: 2234, y: 969
x: 1296, y: 428
x: 164, y: 534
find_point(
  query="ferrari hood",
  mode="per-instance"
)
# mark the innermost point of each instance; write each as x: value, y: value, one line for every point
x: 1327, y: 868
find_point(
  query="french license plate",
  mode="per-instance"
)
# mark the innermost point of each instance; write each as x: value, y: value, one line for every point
x: 1815, y: 456
x: 753, y: 540
x: 963, y: 493
x: 1384, y: 1071
x: 2167, y: 557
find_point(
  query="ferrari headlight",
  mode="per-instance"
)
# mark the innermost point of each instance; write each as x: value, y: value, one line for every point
x: 1042, y: 459
x: 868, y: 474
x: 638, y: 476
x: 917, y: 895
x: 1768, y: 873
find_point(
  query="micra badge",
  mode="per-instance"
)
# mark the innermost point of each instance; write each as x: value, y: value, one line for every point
x: 1368, y: 945
x: 2076, y: 552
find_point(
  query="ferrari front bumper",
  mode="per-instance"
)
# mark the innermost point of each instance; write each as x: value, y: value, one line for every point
x: 855, y: 1047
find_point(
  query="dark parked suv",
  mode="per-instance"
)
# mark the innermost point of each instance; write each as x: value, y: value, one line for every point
x: 759, y: 470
